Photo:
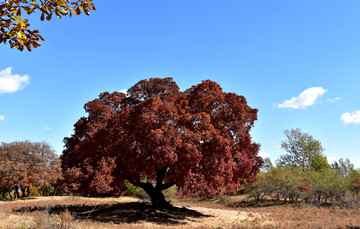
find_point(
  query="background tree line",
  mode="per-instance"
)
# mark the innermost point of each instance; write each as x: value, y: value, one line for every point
x: 26, y: 166
x: 197, y: 141
x: 303, y: 174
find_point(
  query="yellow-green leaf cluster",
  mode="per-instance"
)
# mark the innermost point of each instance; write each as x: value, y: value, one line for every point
x: 14, y: 28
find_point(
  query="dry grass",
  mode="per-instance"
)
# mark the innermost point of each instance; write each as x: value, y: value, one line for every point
x: 129, y: 213
x: 279, y: 215
x: 311, y: 217
x: 53, y: 212
x: 69, y: 212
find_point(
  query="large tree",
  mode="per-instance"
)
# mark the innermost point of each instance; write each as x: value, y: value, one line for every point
x: 303, y: 151
x: 157, y: 136
x: 14, y: 26
x: 27, y: 164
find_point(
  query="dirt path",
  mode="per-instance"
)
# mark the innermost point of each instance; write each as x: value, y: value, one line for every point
x: 216, y: 218
x: 221, y: 218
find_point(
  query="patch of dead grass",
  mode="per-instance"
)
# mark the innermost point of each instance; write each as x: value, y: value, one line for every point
x: 129, y: 213
x: 14, y: 221
x: 283, y: 216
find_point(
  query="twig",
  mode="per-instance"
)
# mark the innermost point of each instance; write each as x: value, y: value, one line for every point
x: 91, y: 212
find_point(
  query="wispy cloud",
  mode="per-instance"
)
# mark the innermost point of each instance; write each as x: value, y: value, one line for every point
x: 305, y: 99
x: 264, y: 154
x: 2, y: 117
x: 46, y: 128
x: 351, y: 118
x: 334, y: 99
x: 10, y: 83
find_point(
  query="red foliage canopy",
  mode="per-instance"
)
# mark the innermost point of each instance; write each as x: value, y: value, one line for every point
x: 26, y: 164
x: 198, y: 139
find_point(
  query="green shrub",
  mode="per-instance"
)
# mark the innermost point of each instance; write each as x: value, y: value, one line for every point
x: 34, y: 191
x: 133, y: 190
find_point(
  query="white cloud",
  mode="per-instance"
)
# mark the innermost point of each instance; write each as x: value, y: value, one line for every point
x: 2, y: 117
x: 353, y: 117
x: 264, y: 154
x: 46, y: 128
x: 305, y: 99
x: 10, y: 83
x: 123, y: 91
x: 331, y: 159
x: 334, y: 99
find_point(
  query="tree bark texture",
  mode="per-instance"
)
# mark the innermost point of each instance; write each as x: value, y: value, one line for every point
x: 155, y: 193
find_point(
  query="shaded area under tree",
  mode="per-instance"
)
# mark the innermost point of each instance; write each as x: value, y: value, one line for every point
x: 119, y: 213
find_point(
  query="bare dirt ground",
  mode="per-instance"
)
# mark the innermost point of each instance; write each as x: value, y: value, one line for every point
x: 128, y: 212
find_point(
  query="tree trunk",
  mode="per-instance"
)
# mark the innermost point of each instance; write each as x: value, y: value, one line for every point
x: 155, y: 193
x: 3, y: 195
x: 257, y: 197
x: 23, y: 192
x: 27, y: 191
x: 17, y: 192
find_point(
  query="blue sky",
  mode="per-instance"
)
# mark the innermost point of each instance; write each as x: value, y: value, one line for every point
x: 296, y: 61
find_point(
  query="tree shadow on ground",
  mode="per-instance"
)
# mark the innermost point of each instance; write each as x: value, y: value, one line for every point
x: 118, y: 213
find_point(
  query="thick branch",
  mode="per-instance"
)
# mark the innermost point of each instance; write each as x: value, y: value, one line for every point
x: 160, y: 175
x: 167, y: 185
x: 3, y: 195
x: 155, y: 193
x: 140, y: 184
